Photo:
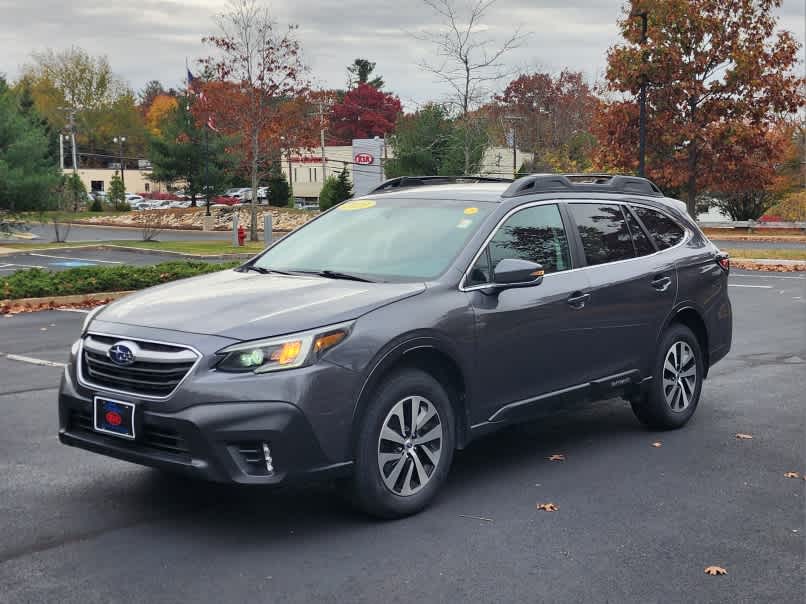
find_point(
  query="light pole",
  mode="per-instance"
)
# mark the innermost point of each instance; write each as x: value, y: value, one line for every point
x: 642, y: 97
x: 514, y: 143
x: 120, y: 140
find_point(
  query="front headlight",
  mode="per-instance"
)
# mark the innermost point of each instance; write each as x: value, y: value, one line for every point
x: 90, y: 316
x: 286, y: 352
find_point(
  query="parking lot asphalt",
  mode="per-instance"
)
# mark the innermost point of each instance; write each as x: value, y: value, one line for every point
x: 635, y: 523
x: 62, y: 259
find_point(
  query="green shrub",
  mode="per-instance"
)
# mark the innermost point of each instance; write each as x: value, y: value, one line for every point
x: 96, y: 205
x: 37, y: 283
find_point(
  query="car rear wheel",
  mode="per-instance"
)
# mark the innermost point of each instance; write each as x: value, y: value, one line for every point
x: 405, y: 446
x: 674, y: 392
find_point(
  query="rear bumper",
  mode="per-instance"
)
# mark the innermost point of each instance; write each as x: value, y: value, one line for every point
x: 216, y: 442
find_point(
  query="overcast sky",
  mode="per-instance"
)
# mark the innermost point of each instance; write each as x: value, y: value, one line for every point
x: 150, y: 39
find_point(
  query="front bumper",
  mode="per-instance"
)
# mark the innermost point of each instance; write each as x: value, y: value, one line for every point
x: 216, y: 442
x: 214, y: 425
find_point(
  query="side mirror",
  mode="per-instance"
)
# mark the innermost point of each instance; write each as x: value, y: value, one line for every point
x: 513, y: 272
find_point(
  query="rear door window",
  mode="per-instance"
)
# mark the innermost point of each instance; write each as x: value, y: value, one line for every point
x: 603, y: 231
x: 665, y: 231
x: 535, y: 233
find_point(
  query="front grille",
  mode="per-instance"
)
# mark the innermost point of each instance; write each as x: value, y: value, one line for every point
x: 150, y: 436
x: 156, y: 371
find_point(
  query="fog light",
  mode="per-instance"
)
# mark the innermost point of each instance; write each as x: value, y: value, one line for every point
x: 267, y: 458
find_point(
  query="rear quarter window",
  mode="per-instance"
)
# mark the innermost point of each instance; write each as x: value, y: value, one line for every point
x: 663, y: 230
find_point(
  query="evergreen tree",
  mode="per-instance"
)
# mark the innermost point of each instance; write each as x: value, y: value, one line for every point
x: 335, y: 190
x: 430, y: 143
x: 182, y: 148
x: 279, y: 191
x: 117, y: 194
x: 28, y: 176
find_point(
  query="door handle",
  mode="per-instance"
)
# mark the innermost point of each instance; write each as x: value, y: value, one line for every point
x: 578, y: 300
x: 661, y: 282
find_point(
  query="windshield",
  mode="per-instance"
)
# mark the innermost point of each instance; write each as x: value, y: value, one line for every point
x: 382, y: 239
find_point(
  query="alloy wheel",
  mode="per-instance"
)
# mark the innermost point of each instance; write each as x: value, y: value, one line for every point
x: 679, y: 376
x: 410, y: 445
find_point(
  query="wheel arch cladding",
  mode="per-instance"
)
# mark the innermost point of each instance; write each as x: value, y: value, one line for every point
x: 428, y: 359
x: 691, y: 318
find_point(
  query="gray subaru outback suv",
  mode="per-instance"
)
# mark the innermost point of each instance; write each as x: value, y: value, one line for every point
x: 391, y: 330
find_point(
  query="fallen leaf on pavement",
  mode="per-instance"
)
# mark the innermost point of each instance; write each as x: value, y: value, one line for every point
x: 556, y: 457
x: 547, y: 507
x: 742, y: 436
x: 657, y: 445
x: 715, y: 570
x: 791, y: 475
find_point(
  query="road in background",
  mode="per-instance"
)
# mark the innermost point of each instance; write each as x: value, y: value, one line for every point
x: 102, y: 233
x: 635, y: 523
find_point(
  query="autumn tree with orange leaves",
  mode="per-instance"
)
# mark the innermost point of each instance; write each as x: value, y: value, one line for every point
x: 257, y: 68
x: 719, y: 79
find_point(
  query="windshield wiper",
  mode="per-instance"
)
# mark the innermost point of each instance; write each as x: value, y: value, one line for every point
x: 338, y: 275
x: 261, y: 270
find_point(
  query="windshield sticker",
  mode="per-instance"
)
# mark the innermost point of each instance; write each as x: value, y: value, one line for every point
x: 358, y: 204
x: 464, y: 223
x: 471, y: 211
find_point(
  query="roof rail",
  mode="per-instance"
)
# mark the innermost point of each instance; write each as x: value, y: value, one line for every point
x: 591, y: 183
x: 402, y: 182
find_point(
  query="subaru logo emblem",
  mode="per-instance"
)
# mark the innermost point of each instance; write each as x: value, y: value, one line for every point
x: 121, y: 354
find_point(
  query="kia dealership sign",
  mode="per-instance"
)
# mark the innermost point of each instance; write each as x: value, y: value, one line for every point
x: 367, y: 164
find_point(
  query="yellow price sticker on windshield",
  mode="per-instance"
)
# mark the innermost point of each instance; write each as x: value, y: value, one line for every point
x: 471, y: 211
x: 358, y: 204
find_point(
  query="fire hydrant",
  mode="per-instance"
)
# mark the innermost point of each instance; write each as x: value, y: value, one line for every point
x: 241, y: 235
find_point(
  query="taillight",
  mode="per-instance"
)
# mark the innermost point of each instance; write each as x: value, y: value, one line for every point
x: 723, y: 260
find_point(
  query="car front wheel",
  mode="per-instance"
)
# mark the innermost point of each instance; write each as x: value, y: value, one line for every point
x: 405, y: 445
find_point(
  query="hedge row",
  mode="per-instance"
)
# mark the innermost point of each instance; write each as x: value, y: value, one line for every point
x: 36, y: 283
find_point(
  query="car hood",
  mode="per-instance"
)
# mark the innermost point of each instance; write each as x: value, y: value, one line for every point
x: 246, y: 306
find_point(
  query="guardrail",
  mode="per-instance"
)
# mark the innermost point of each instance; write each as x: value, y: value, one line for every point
x: 751, y: 225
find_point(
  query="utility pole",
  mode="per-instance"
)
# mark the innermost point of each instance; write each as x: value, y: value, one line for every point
x: 120, y: 140
x: 73, y: 139
x: 642, y: 98
x: 290, y: 173
x: 61, y: 153
x: 322, y: 139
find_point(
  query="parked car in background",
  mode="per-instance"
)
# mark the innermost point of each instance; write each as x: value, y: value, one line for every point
x: 239, y: 193
x: 132, y: 198
x: 390, y: 331
x: 306, y: 205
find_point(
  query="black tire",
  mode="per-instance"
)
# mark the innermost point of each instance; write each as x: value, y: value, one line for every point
x: 367, y: 489
x: 653, y: 409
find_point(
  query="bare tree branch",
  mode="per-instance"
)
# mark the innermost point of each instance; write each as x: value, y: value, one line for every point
x: 470, y: 63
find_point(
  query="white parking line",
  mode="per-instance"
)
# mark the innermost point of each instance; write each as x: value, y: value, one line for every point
x: 769, y: 277
x: 79, y: 259
x: 81, y: 310
x: 31, y: 360
x: 756, y: 286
